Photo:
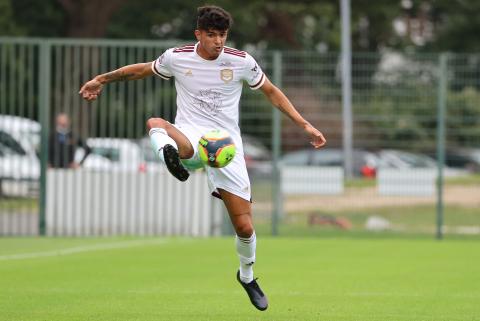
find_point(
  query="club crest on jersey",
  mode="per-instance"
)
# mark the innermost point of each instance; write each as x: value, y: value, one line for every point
x: 226, y: 75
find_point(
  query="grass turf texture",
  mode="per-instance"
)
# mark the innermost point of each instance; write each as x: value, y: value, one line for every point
x: 194, y: 279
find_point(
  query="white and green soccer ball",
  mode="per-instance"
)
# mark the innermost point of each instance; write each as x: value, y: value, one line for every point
x: 216, y: 148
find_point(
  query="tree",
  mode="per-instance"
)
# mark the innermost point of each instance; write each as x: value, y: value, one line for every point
x: 89, y: 18
x: 7, y: 22
x: 456, y: 25
x: 25, y: 15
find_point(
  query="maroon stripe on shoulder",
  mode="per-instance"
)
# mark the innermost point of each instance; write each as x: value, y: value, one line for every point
x: 235, y: 54
x: 183, y: 50
x: 185, y: 47
x: 233, y: 49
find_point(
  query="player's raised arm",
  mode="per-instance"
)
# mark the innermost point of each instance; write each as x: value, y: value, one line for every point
x: 279, y: 100
x: 92, y: 88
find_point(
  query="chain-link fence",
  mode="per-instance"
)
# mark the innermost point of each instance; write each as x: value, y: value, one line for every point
x: 400, y: 138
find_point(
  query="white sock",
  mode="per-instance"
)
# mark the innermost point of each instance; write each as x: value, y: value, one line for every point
x: 246, y: 253
x: 159, y: 138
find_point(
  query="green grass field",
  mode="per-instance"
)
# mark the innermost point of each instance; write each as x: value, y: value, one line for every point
x: 193, y: 279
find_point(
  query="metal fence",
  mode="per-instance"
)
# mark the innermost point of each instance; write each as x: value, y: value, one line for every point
x: 411, y: 114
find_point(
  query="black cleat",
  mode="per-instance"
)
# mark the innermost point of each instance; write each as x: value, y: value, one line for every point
x: 172, y: 160
x: 258, y: 299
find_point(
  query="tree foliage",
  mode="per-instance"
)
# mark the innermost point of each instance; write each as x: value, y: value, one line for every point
x: 457, y: 25
x: 302, y: 24
x: 81, y: 14
x: 37, y: 18
x: 8, y: 26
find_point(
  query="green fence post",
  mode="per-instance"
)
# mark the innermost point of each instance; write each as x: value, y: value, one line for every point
x: 276, y: 148
x: 441, y: 108
x: 44, y: 111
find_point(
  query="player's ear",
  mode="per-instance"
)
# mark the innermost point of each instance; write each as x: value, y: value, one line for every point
x: 197, y: 34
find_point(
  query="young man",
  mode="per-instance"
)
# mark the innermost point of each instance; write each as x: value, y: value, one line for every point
x: 208, y: 78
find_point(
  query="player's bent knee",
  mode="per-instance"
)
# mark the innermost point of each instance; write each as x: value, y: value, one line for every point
x: 156, y: 123
x: 244, y: 230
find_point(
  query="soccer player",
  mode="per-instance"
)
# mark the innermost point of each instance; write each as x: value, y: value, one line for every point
x: 208, y: 79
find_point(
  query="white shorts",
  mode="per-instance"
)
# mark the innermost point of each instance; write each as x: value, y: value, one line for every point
x: 232, y: 178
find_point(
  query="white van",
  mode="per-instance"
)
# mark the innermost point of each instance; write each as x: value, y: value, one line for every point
x: 26, y: 130
x: 19, y: 163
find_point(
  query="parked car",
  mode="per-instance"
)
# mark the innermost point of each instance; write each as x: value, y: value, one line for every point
x: 463, y: 158
x: 254, y: 149
x: 17, y: 159
x: 115, y: 154
x: 22, y: 129
x: 392, y: 158
x: 258, y: 157
x: 19, y: 165
x: 364, y: 162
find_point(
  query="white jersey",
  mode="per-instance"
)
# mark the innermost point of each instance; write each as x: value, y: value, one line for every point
x: 208, y: 91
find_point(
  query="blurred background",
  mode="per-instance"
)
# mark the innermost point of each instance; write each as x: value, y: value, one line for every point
x: 398, y: 102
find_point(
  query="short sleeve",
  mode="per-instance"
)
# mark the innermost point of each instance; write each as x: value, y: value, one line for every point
x: 161, y: 66
x: 253, y: 74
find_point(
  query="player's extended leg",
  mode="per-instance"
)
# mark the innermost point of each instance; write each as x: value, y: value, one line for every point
x: 240, y: 212
x: 170, y: 145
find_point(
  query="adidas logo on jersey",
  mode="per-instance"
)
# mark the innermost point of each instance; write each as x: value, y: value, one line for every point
x: 189, y: 73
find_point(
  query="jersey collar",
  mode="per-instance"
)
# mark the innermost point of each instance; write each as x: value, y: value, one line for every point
x: 203, y: 59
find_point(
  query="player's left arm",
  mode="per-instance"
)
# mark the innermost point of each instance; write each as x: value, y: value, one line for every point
x: 92, y: 88
x: 280, y: 101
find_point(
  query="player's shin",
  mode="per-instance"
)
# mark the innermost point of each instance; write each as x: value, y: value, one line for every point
x: 159, y: 138
x: 246, y: 253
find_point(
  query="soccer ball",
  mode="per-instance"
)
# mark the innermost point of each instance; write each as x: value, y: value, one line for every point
x: 216, y: 148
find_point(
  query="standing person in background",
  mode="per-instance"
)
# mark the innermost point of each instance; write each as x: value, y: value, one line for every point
x: 63, y: 144
x: 208, y: 78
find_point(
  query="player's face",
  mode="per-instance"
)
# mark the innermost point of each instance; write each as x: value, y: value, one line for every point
x: 211, y: 42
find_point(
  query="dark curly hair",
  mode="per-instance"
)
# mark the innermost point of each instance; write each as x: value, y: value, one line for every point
x: 213, y: 17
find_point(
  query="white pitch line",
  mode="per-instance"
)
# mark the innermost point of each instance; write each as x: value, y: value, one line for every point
x: 81, y: 249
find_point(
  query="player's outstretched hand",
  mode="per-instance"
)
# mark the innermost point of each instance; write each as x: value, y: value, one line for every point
x: 91, y: 89
x: 317, y: 139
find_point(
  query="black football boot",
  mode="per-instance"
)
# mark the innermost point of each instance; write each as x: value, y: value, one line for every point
x: 258, y: 299
x: 174, y: 166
